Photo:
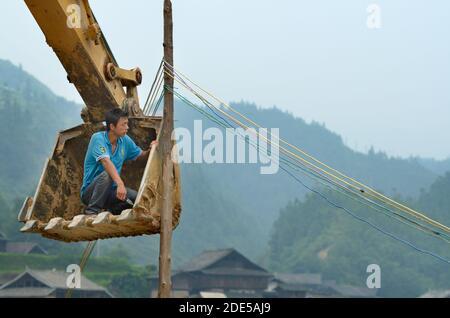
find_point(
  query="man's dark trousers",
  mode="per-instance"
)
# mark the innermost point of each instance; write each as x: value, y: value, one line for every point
x: 100, y: 194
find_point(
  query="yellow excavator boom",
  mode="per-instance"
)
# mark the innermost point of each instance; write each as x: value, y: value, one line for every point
x: 56, y: 210
x: 73, y: 33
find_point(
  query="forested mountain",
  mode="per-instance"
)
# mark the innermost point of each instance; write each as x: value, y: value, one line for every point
x: 310, y: 235
x: 224, y: 205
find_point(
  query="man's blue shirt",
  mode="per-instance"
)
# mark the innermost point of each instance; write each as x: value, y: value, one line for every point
x: 100, y: 147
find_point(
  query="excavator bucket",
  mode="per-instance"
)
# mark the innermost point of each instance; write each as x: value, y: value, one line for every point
x: 56, y: 210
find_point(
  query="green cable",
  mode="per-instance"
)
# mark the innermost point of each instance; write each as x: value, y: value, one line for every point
x: 414, y: 225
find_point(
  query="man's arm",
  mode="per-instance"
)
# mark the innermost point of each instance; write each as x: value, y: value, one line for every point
x: 111, y: 170
x: 144, y: 154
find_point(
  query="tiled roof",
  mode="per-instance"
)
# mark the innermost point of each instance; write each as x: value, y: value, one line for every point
x: 298, y: 279
x: 436, y: 294
x: 23, y: 247
x: 26, y: 292
x: 55, y: 279
x: 235, y: 272
x: 205, y: 259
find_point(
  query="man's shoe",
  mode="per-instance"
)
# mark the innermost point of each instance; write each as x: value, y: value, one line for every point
x: 90, y: 212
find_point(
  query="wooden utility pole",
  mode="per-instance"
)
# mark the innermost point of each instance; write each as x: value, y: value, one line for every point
x: 165, y: 282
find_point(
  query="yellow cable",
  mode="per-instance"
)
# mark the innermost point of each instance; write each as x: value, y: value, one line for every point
x: 283, y: 149
x: 414, y: 213
x: 411, y: 211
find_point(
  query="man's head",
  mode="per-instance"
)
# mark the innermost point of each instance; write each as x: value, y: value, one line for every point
x: 117, y: 122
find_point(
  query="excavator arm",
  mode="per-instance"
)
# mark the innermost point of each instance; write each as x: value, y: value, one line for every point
x: 71, y: 30
x: 56, y: 211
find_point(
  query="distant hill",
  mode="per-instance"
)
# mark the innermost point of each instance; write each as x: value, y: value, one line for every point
x: 223, y: 205
x: 439, y: 167
x: 30, y: 117
x: 312, y: 236
x: 391, y: 175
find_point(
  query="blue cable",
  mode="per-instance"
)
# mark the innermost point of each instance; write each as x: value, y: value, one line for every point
x: 367, y: 222
x: 352, y: 214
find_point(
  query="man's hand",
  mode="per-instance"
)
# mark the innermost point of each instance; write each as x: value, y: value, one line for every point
x: 154, y: 143
x: 111, y: 170
x: 121, y: 192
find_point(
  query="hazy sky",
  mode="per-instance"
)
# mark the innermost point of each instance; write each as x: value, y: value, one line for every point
x: 387, y: 87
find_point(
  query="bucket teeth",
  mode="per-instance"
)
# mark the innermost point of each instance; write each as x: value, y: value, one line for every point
x: 103, y: 218
x: 78, y: 221
x: 54, y: 224
x: 31, y: 226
